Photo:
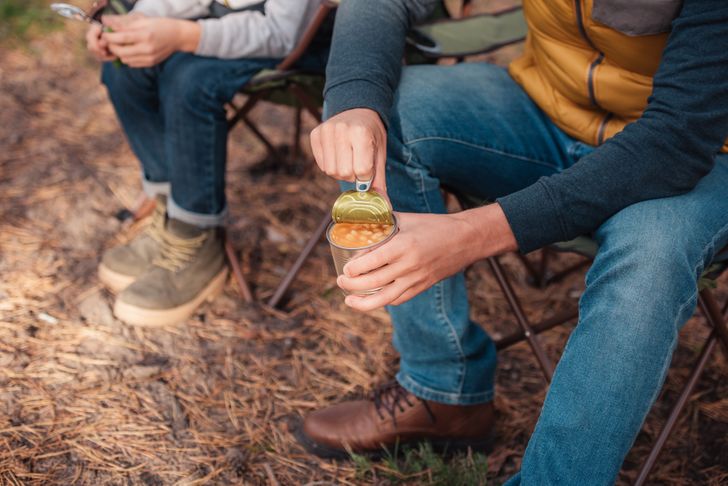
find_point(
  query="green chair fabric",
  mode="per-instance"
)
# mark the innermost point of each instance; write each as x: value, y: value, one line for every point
x: 276, y: 83
x: 471, y: 35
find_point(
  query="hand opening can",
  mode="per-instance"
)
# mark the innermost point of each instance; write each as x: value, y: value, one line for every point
x: 350, y: 240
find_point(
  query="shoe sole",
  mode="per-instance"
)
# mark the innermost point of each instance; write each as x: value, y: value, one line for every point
x: 141, y: 317
x: 115, y: 281
x: 441, y: 446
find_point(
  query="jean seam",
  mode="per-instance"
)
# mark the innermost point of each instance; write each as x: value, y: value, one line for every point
x: 454, y: 340
x: 211, y: 169
x: 485, y: 148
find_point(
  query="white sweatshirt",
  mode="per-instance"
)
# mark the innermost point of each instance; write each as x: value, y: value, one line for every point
x: 241, y: 34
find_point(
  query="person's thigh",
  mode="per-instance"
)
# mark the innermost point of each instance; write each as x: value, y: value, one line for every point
x: 472, y: 128
x: 205, y: 83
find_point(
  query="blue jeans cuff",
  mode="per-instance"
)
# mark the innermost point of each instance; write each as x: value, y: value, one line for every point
x: 174, y: 211
x: 448, y: 398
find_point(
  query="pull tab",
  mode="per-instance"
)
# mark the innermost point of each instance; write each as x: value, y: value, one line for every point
x: 363, y: 186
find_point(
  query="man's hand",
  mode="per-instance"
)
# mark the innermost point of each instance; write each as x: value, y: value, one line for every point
x: 96, y: 45
x: 427, y: 249
x: 352, y: 145
x: 145, y: 41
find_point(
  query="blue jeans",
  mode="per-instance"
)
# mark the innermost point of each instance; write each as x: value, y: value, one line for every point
x: 173, y: 115
x: 471, y: 127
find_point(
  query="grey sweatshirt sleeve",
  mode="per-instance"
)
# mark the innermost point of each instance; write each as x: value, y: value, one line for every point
x: 272, y: 33
x: 366, y: 53
x: 178, y: 9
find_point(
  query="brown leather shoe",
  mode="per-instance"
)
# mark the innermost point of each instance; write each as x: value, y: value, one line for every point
x: 393, y: 417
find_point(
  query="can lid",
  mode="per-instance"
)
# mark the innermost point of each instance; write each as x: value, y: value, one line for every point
x: 361, y: 207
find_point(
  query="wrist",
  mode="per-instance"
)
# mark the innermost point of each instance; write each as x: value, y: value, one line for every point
x: 189, y: 35
x: 486, y: 232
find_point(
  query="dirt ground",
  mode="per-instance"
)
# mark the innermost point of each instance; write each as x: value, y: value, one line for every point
x: 87, y: 400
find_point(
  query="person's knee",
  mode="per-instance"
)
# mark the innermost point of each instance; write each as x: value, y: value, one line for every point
x: 193, y: 89
x: 646, y: 271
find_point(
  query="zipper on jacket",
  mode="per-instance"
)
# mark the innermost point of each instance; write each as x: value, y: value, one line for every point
x: 579, y: 10
x: 603, y: 128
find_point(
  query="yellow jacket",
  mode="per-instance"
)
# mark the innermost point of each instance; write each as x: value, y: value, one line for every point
x: 589, y: 63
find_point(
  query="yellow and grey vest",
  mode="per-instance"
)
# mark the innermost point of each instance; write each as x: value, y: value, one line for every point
x: 589, y: 64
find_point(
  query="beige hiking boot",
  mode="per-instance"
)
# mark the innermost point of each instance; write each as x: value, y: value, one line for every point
x: 189, y: 270
x: 121, y: 265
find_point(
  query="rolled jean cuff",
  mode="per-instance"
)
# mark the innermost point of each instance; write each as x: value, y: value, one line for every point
x: 153, y: 189
x: 425, y: 393
x: 174, y: 211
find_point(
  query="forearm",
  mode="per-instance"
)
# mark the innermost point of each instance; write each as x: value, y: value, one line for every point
x: 485, y: 232
x: 366, y: 54
x: 665, y: 153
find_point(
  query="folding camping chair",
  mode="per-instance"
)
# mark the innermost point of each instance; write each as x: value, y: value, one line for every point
x: 479, y: 34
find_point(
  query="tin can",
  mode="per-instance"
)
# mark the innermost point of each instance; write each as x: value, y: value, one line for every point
x: 357, y: 206
x: 343, y: 255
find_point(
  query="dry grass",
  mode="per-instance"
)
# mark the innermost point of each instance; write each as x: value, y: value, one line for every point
x: 86, y: 400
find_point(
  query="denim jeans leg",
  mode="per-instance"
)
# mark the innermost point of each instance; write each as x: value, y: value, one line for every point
x: 134, y: 94
x: 640, y: 291
x: 472, y: 128
x: 193, y: 93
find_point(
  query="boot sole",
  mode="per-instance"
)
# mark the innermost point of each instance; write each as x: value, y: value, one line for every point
x: 115, y: 281
x: 441, y: 446
x: 139, y: 316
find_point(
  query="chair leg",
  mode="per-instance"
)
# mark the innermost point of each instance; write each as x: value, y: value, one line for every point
x: 546, y: 366
x: 538, y: 328
x: 234, y: 261
x: 677, y: 409
x: 302, y: 257
x: 272, y: 150
x: 310, y: 105
x: 714, y: 316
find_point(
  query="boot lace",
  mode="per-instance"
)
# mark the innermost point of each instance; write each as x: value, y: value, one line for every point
x: 155, y: 230
x: 176, y: 252
x: 390, y: 398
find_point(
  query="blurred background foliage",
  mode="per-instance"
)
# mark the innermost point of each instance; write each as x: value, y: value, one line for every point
x: 20, y: 19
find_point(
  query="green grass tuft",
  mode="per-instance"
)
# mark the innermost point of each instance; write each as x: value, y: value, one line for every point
x: 19, y: 19
x: 423, y: 466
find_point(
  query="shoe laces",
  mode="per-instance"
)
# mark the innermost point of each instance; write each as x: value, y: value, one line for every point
x: 176, y: 252
x: 155, y: 230
x: 391, y: 397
